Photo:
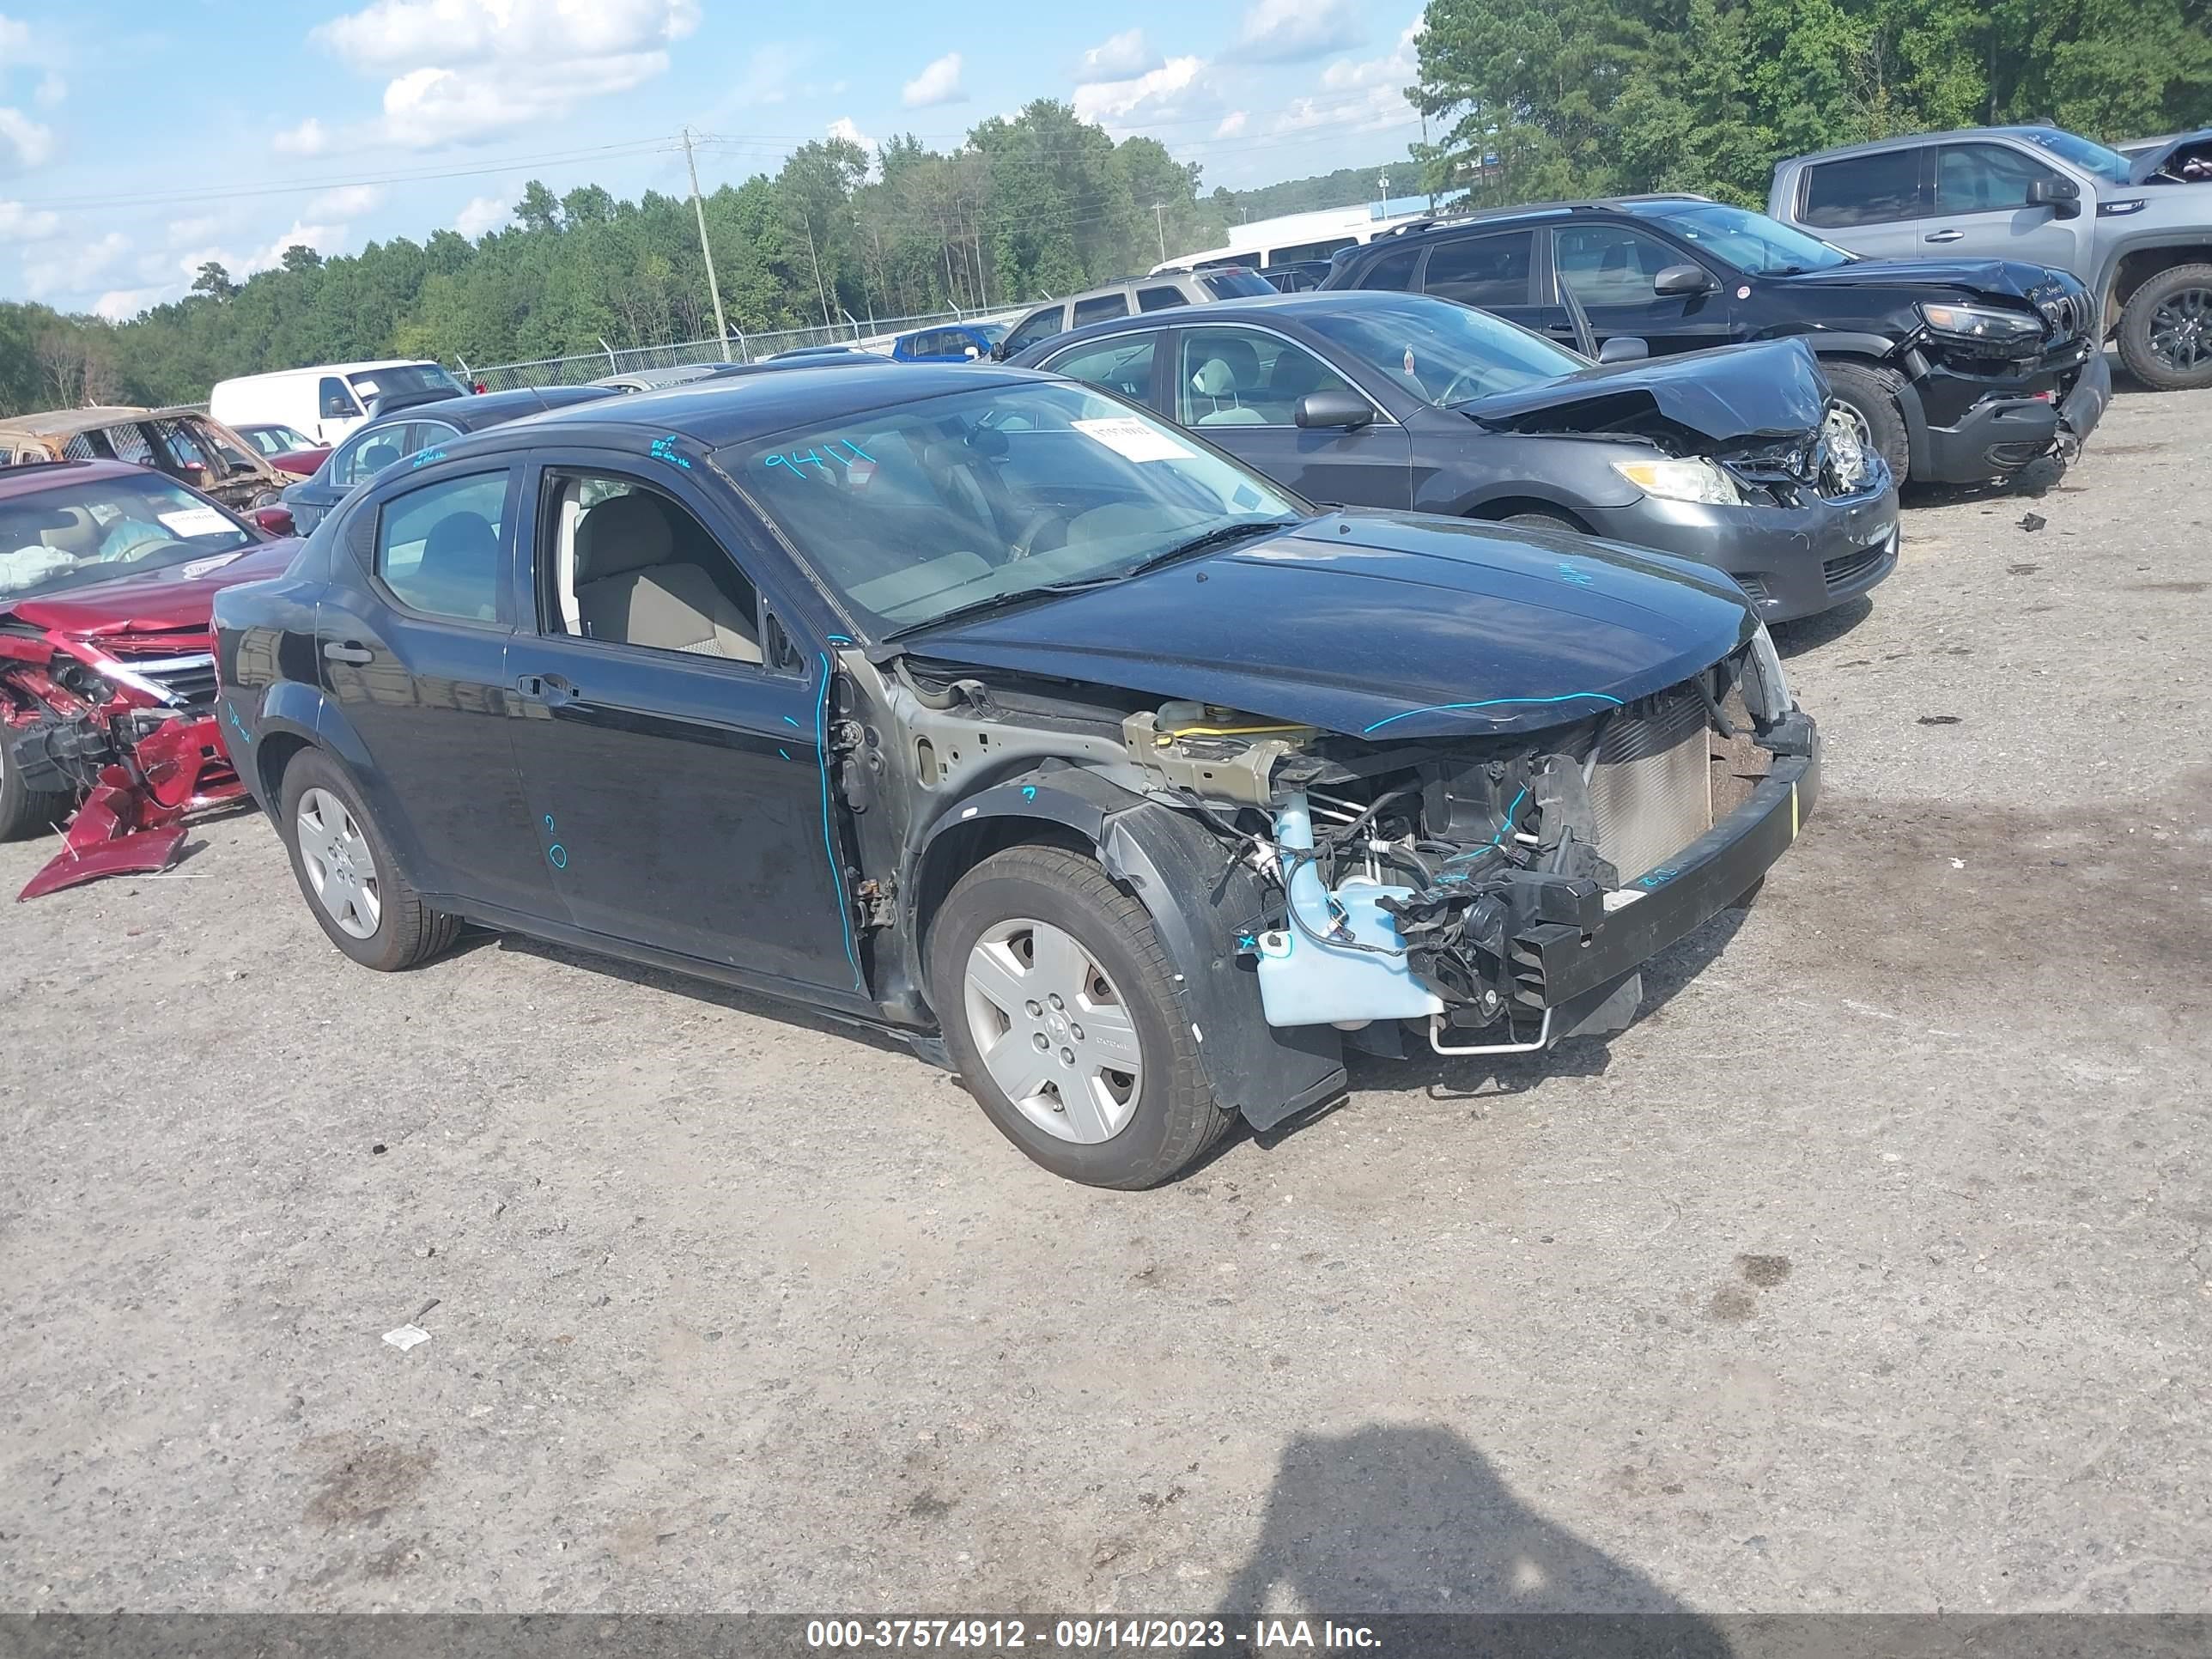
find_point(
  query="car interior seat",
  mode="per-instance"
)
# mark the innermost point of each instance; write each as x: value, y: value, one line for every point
x: 1216, y: 382
x: 71, y: 529
x: 378, y: 456
x: 460, y: 567
x: 630, y: 587
x: 1295, y: 375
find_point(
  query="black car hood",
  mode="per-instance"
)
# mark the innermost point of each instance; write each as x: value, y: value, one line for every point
x: 2010, y: 277
x: 1716, y: 399
x: 1384, y: 625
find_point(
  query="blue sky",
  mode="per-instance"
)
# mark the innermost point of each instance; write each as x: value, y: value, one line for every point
x: 140, y: 137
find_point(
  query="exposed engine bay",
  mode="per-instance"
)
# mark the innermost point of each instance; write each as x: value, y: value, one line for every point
x: 120, y: 727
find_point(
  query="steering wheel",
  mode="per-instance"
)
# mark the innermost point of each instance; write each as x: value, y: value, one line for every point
x: 1023, y: 543
x: 1466, y: 375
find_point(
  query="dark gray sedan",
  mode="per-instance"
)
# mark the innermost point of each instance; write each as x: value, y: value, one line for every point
x: 1736, y: 457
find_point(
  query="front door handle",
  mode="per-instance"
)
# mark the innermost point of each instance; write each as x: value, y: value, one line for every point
x: 1943, y: 236
x: 349, y: 652
x: 552, y: 688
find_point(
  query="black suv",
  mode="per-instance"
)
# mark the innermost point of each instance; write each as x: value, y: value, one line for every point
x: 1958, y: 370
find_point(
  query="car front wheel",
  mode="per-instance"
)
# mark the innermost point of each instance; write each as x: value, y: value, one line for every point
x: 1869, y: 396
x: 25, y: 811
x: 346, y: 871
x: 1060, y: 1009
x: 2166, y: 329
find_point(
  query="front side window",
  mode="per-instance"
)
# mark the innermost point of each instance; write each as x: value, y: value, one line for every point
x: 83, y: 532
x: 1864, y: 189
x: 438, y: 548
x: 1041, y: 327
x: 1609, y: 265
x: 1122, y: 365
x: 1444, y: 353
x: 1984, y: 178
x: 336, y: 403
x: 628, y: 565
x: 1482, y: 271
x: 1245, y: 377
x: 978, y: 498
x: 1101, y: 307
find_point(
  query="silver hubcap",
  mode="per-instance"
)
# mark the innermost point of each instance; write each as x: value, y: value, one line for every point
x: 340, y: 867
x: 1053, y: 1031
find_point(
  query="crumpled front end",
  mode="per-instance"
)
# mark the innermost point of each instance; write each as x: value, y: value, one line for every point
x: 123, y: 723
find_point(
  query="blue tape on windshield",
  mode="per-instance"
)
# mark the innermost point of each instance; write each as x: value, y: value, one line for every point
x: 1491, y: 702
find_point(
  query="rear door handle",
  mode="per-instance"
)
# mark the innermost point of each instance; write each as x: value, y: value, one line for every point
x: 1943, y: 236
x: 349, y: 652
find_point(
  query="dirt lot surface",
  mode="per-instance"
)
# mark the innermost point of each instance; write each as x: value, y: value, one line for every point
x: 1871, y: 1270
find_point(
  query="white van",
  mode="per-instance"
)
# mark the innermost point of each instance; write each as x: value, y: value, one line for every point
x: 329, y: 401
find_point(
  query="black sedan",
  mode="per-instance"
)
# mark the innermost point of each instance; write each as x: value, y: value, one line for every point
x: 1735, y: 458
x: 394, y: 435
x: 983, y: 708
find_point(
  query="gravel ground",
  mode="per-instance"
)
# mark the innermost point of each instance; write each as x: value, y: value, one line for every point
x: 1869, y: 1271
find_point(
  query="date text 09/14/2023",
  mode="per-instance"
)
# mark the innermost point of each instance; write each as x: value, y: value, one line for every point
x: 1088, y: 1635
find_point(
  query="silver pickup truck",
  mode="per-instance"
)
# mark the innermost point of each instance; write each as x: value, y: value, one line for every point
x: 2137, y: 232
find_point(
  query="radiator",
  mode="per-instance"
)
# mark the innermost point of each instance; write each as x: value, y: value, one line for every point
x: 1652, y: 792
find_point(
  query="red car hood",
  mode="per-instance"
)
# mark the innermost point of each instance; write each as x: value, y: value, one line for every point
x: 161, y: 601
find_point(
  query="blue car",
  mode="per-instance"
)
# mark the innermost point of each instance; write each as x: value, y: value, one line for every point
x: 956, y: 343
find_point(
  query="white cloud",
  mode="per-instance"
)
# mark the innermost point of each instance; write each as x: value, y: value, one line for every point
x: 74, y: 266
x: 324, y: 238
x: 347, y: 202
x: 192, y: 230
x: 1366, y: 96
x: 940, y: 83
x: 1291, y: 31
x: 120, y: 305
x: 771, y: 71
x: 23, y: 141
x: 843, y: 127
x: 462, y: 71
x: 20, y: 224
x: 481, y: 215
x: 1231, y: 124
x: 1179, y: 90
x: 14, y: 35
x: 1118, y: 57
x: 310, y: 137
x: 52, y: 90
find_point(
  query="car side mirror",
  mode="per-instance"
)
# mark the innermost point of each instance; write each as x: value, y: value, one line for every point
x: 1624, y: 348
x: 1337, y: 409
x: 2062, y: 196
x: 1684, y: 279
x: 276, y: 520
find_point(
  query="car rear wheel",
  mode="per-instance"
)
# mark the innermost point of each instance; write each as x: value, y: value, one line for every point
x: 346, y: 871
x: 1870, y: 397
x: 25, y: 811
x: 2166, y: 329
x: 1059, y: 1007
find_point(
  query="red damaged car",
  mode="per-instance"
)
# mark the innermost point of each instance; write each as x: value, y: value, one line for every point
x: 107, y: 573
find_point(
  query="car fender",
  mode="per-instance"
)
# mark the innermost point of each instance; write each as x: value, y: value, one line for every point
x: 2145, y: 240
x: 1200, y: 901
x: 295, y: 710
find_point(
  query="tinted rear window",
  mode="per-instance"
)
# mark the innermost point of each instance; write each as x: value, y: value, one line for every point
x: 1236, y: 285
x: 1482, y: 271
x: 1393, y: 271
x: 1101, y: 306
x: 1864, y: 189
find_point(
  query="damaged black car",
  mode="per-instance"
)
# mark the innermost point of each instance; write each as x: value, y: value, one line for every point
x: 985, y: 710
x: 1737, y: 458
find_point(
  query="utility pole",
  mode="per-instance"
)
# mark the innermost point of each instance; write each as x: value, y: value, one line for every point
x: 714, y: 288
x: 1381, y: 195
x: 813, y: 259
x: 1159, y: 219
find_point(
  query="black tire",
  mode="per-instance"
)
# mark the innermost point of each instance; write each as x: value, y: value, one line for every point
x: 2136, y: 319
x: 1175, y: 1117
x: 25, y: 811
x: 1873, y: 393
x: 1545, y: 521
x: 408, y: 931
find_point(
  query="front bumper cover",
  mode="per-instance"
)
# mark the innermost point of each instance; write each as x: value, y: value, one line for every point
x: 2005, y: 431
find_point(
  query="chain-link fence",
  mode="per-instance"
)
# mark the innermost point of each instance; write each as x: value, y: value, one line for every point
x: 876, y: 335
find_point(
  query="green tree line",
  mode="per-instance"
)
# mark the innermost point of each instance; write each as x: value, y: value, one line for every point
x: 1559, y: 98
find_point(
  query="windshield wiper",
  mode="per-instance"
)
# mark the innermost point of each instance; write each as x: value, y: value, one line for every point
x: 991, y: 602
x: 1204, y: 542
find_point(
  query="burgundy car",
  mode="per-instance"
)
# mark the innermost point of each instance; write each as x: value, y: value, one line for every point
x: 286, y: 449
x: 107, y: 573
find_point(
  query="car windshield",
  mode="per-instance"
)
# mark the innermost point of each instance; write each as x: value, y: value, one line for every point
x: 1444, y: 353
x: 2107, y: 164
x: 1751, y: 242
x: 90, y: 530
x: 1237, y: 284
x: 978, y: 498
x: 276, y: 440
x: 406, y: 380
x: 992, y: 332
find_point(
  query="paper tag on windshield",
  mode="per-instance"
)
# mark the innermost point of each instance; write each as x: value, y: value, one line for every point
x: 1133, y: 440
x: 194, y: 522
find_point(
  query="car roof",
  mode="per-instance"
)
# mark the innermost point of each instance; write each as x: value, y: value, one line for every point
x: 34, y: 476
x: 1444, y: 224
x: 471, y: 411
x: 1293, y: 309
x: 1870, y: 146
x: 740, y: 409
x: 55, y: 422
